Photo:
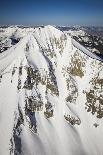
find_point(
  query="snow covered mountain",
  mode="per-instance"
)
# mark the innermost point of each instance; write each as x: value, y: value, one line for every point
x: 90, y: 37
x: 51, y: 95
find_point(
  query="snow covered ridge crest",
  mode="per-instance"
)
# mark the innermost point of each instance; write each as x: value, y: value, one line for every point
x: 51, y: 96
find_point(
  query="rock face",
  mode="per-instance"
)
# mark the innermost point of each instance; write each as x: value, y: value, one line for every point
x: 51, y: 96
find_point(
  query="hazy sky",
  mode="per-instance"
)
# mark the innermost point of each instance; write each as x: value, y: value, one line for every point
x: 55, y: 12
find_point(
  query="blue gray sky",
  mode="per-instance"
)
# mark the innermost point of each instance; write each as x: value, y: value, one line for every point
x: 55, y: 12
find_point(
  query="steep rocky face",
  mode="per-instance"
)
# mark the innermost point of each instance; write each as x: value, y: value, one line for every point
x: 51, y: 94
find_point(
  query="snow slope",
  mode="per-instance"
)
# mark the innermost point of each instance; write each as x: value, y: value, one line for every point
x: 51, y: 96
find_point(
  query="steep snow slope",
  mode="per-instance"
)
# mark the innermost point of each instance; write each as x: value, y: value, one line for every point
x: 92, y: 41
x: 51, y: 97
x: 12, y: 35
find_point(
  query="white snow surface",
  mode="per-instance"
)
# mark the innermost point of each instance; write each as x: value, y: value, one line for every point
x: 55, y: 136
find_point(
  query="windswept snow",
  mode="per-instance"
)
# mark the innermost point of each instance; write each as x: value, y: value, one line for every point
x: 84, y: 50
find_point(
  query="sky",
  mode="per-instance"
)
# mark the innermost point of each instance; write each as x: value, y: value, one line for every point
x: 54, y: 12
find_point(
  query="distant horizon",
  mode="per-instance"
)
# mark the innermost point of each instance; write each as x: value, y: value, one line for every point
x: 40, y: 25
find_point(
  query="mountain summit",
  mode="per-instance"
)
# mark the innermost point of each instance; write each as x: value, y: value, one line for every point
x: 51, y: 95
